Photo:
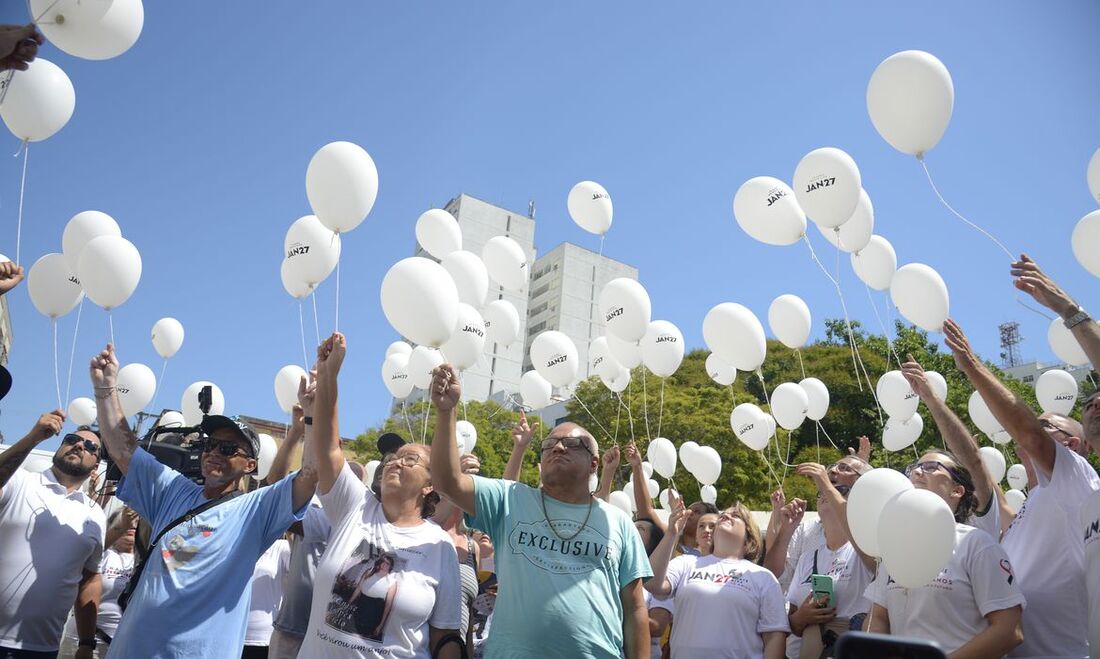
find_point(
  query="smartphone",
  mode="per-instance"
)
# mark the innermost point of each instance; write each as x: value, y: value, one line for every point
x: 863, y: 645
x: 822, y: 587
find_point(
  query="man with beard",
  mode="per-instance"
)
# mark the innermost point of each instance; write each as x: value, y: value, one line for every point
x: 51, y: 541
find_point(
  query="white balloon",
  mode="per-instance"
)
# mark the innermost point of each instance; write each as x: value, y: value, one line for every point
x: 1093, y: 176
x: 600, y: 360
x: 438, y: 233
x: 1017, y: 476
x: 82, y: 411
x: 647, y: 469
x: 167, y: 337
x: 311, y: 250
x: 687, y: 453
x: 554, y: 356
x: 422, y: 361
x: 899, y: 433
x: 506, y: 262
x: 170, y: 419
x: 294, y: 286
x: 590, y: 207
x: 1015, y: 500
x: 395, y: 375
x: 535, y: 390
x: 827, y: 185
x: 470, y: 276
x: 501, y: 321
x: 653, y: 487
x: 662, y: 498
x: 916, y: 536
x: 818, y: 395
x: 39, y: 101
x: 268, y: 449
x: 625, y: 309
x: 109, y: 270
x: 1086, y: 242
x: 371, y: 467
x: 90, y: 29
x: 920, y: 294
x: 628, y: 355
x: 710, y: 465
x: 870, y: 494
x: 467, y: 342
x: 1001, y: 437
x: 767, y: 210
x: 994, y: 463
x: 747, y: 421
x: 896, y: 396
x: 466, y: 434
x: 981, y: 416
x: 189, y: 402
x: 82, y: 228
x: 910, y: 98
x: 719, y: 371
x: 736, y: 335
x: 341, y: 184
x: 789, y: 319
x: 661, y: 453
x: 937, y: 384
x: 286, y: 386
x: 708, y: 494
x: 622, y: 501
x: 855, y: 233
x: 1056, y: 391
x: 662, y: 348
x: 1064, y: 345
x: 135, y: 386
x: 789, y: 403
x: 628, y: 492
x: 617, y: 383
x: 420, y: 301
x: 54, y: 290
x: 876, y: 263
x: 398, y: 347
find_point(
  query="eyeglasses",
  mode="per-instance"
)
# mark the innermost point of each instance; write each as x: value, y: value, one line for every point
x: 842, y: 467
x: 407, y: 460
x: 572, y: 441
x: 226, y: 448
x: 1047, y: 425
x: 930, y: 466
x: 89, y: 445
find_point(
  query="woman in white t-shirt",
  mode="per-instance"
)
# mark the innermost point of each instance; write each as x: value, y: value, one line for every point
x: 973, y: 608
x: 267, y: 595
x: 726, y: 605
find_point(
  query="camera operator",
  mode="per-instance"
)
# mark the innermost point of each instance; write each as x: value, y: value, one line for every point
x: 191, y: 596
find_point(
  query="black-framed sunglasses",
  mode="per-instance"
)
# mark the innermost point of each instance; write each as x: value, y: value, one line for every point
x: 88, y: 445
x: 569, y: 442
x: 929, y: 466
x: 226, y: 448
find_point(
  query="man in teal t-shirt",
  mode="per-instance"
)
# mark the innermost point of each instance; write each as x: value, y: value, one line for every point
x: 570, y: 566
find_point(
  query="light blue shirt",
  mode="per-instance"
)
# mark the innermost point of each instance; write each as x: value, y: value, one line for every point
x: 194, y: 596
x: 556, y: 598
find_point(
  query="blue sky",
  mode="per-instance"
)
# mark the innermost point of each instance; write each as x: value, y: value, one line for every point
x: 197, y: 141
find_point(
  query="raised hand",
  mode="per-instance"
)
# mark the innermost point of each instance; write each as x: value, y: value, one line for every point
x: 964, y: 355
x: 330, y: 355
x: 48, y: 425
x: 792, y: 514
x: 469, y: 463
x: 1029, y: 278
x: 778, y: 499
x: 914, y: 375
x: 104, y: 370
x: 678, y: 517
x: 611, y: 458
x: 10, y: 276
x: 814, y: 472
x: 307, y: 393
x: 864, y: 452
x: 446, y: 391
x: 523, y: 431
x: 19, y: 46
x: 633, y: 455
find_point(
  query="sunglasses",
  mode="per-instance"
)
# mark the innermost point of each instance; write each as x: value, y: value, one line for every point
x: 226, y: 448
x: 842, y: 467
x: 930, y: 466
x: 569, y: 442
x: 89, y: 445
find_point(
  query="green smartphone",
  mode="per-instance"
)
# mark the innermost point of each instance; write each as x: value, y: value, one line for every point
x: 822, y: 587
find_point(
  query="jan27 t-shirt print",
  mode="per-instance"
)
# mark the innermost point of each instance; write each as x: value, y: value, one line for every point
x: 364, y: 592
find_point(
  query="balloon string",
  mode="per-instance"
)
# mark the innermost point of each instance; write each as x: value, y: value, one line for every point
x: 855, y: 346
x: 847, y: 322
x: 337, y: 323
x: 302, y: 329
x: 629, y: 415
x: 22, y: 187
x: 824, y: 432
x: 885, y: 331
x: 156, y: 387
x: 778, y: 482
x: 618, y: 415
x: 764, y: 386
x: 316, y: 325
x: 645, y: 405
x: 424, y: 431
x: 957, y: 214
x: 802, y: 366
x: 405, y: 413
x: 591, y: 415
x: 72, y: 352
x: 6, y: 83
x: 111, y: 327
x: 661, y: 407
x: 56, y: 379
x: 817, y: 440
x: 1033, y: 309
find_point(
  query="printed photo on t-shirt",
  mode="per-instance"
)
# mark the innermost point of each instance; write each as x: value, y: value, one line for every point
x: 364, y: 592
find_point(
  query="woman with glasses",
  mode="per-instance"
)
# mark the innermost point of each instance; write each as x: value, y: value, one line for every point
x: 974, y: 607
x: 726, y: 604
x: 388, y: 584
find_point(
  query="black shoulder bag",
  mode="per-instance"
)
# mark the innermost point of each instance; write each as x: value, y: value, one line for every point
x: 128, y: 592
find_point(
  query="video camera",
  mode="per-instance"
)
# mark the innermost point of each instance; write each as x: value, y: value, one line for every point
x: 182, y: 452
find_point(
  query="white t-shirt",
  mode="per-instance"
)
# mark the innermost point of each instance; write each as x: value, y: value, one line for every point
x: 48, y: 537
x: 1090, y: 523
x: 807, y: 537
x: 267, y: 592
x: 723, y: 606
x: 951, y: 609
x: 1045, y: 547
x: 378, y: 586
x: 990, y: 522
x: 115, y: 570
x: 850, y: 579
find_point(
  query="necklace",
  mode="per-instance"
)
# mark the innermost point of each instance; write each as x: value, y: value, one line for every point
x: 542, y: 498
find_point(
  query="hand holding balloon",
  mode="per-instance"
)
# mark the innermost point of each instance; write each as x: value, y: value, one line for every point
x: 677, y: 519
x: 446, y: 391
x: 611, y: 458
x: 330, y: 355
x: 814, y: 472
x: 778, y: 499
x: 19, y: 46
x: 791, y: 516
x: 914, y: 375
x: 1029, y: 278
x: 307, y: 392
x: 104, y: 370
x: 10, y: 276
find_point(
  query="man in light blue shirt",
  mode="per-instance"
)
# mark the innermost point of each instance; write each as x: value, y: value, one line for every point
x: 570, y: 566
x: 193, y: 596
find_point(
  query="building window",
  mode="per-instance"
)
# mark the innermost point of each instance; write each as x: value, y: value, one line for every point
x: 535, y: 329
x: 1028, y: 379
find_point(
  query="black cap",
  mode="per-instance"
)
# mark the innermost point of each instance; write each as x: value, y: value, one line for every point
x: 215, y: 422
x: 389, y: 442
x: 5, y: 382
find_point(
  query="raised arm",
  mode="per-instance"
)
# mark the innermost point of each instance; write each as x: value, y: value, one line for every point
x: 280, y: 464
x: 608, y: 467
x: 832, y: 497
x: 447, y: 476
x: 127, y: 519
x: 1029, y: 278
x: 955, y: 434
x: 118, y: 439
x: 326, y: 426
x: 642, y: 502
x: 521, y: 439
x: 775, y: 555
x: 1011, y: 412
x: 659, y: 586
x: 48, y: 425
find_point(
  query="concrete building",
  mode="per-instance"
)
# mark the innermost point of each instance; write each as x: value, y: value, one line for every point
x: 1030, y: 372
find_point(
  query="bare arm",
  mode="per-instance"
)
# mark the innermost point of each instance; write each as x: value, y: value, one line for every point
x: 1029, y: 278
x: 126, y: 520
x: 326, y: 425
x: 1005, y: 631
x: 878, y: 621
x: 86, y: 607
x: 659, y: 620
x: 119, y: 440
x: 521, y: 439
x: 449, y: 651
x: 1012, y: 413
x: 447, y: 476
x: 775, y: 644
x: 608, y: 466
x: 635, y: 621
x: 836, y: 500
x: 280, y: 464
x: 659, y: 586
x: 47, y: 426
x: 775, y: 520
x: 642, y: 501
x: 790, y: 516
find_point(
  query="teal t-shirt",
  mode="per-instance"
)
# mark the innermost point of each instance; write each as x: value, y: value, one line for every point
x: 556, y: 598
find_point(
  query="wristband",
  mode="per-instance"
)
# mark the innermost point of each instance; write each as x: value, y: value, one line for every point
x: 87, y: 643
x: 307, y: 420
